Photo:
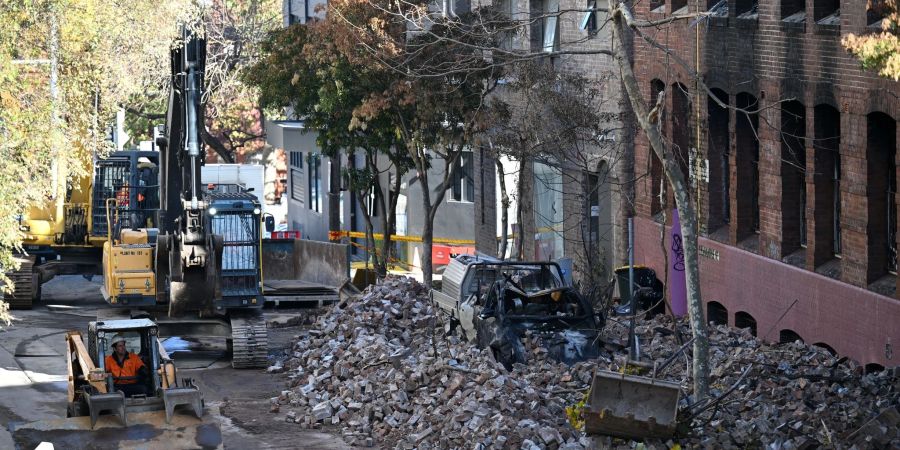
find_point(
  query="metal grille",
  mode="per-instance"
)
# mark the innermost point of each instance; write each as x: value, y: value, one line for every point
x: 240, y: 255
x: 111, y: 180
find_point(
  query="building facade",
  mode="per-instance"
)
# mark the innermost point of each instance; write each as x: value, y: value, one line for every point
x: 792, y: 156
x: 574, y: 196
x: 308, y: 187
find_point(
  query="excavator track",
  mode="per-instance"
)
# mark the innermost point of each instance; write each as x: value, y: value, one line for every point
x: 25, y: 286
x: 250, y: 342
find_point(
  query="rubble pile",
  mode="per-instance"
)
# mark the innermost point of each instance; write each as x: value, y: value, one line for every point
x: 383, y: 370
x: 792, y: 395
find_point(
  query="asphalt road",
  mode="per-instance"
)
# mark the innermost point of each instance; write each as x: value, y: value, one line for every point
x: 33, y: 372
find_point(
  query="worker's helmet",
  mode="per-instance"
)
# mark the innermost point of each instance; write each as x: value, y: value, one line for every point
x: 116, y: 339
x: 144, y: 162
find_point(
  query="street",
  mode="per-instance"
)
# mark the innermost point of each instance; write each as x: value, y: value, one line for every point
x: 33, y: 372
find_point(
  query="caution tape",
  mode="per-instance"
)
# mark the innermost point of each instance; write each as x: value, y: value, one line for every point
x: 336, y: 235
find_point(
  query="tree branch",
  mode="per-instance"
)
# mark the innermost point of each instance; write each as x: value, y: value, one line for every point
x: 217, y: 146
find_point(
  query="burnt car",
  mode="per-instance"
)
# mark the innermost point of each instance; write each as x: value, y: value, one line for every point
x: 497, y: 303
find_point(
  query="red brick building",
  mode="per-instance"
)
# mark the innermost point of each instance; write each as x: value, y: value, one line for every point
x: 797, y: 191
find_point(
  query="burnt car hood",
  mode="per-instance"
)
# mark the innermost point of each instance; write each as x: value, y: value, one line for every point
x: 566, y: 344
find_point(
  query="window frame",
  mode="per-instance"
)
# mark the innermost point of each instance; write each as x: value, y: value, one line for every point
x: 550, y: 32
x: 314, y: 181
x: 298, y: 194
x: 462, y: 190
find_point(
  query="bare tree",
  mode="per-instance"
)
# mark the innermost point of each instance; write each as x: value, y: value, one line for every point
x: 483, y: 30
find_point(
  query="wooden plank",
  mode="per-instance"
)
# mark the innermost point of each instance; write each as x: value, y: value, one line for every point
x: 84, y: 361
x: 69, y: 369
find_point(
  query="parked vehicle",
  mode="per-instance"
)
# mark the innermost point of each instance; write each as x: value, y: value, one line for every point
x: 497, y: 303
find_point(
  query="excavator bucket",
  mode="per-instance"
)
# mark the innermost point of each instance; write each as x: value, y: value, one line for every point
x: 631, y: 406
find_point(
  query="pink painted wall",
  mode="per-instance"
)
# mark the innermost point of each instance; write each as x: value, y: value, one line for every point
x: 855, y: 322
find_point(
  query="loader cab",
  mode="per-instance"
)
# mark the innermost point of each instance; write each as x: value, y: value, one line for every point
x: 141, y: 338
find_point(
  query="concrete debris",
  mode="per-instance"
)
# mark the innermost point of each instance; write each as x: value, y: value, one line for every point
x: 380, y: 370
x: 384, y: 361
x: 794, y: 396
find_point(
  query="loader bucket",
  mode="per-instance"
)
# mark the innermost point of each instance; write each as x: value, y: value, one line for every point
x: 190, y: 396
x: 631, y: 406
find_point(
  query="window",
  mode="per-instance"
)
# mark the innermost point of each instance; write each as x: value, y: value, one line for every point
x: 827, y: 12
x: 589, y: 21
x: 463, y: 187
x: 551, y: 25
x: 876, y: 10
x: 827, y: 184
x: 881, y: 189
x: 718, y: 139
x: 717, y: 8
x: 747, y: 9
x: 793, y: 176
x: 678, y: 5
x: 297, y: 159
x: 655, y: 164
x: 746, y: 166
x: 657, y: 6
x: 548, y: 212
x: 315, y: 182
x: 506, y: 10
x: 297, y: 192
x: 793, y: 11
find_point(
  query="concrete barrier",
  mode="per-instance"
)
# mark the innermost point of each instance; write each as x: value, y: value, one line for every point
x: 315, y: 262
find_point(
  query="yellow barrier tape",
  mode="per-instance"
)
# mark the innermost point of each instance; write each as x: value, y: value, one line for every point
x: 335, y: 235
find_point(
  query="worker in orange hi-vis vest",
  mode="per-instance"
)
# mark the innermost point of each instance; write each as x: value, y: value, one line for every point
x: 127, y: 369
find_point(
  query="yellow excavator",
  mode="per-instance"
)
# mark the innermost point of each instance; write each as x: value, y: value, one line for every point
x: 168, y: 247
x: 197, y: 271
x: 168, y: 414
x: 66, y: 236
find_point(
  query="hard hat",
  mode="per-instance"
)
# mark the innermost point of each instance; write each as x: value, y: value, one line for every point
x: 116, y: 339
x: 144, y: 162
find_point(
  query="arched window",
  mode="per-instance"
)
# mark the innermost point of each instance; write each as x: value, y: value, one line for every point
x: 788, y: 336
x: 718, y: 154
x: 793, y: 176
x: 827, y: 182
x: 716, y: 313
x: 747, y: 166
x: 745, y: 320
x: 881, y: 188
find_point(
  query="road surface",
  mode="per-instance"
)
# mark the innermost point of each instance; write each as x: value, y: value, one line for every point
x: 33, y: 381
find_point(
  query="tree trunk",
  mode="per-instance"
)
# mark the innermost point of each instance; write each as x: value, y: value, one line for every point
x: 622, y: 19
x: 520, y: 215
x: 370, y: 229
x: 427, y: 241
x: 334, y: 195
x: 389, y: 221
x: 504, y: 211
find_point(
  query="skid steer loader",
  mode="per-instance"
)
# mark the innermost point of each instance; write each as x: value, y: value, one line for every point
x: 144, y: 420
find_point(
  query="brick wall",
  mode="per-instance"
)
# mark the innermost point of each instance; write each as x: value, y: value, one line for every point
x: 767, y: 59
x: 772, y: 61
x: 613, y: 158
